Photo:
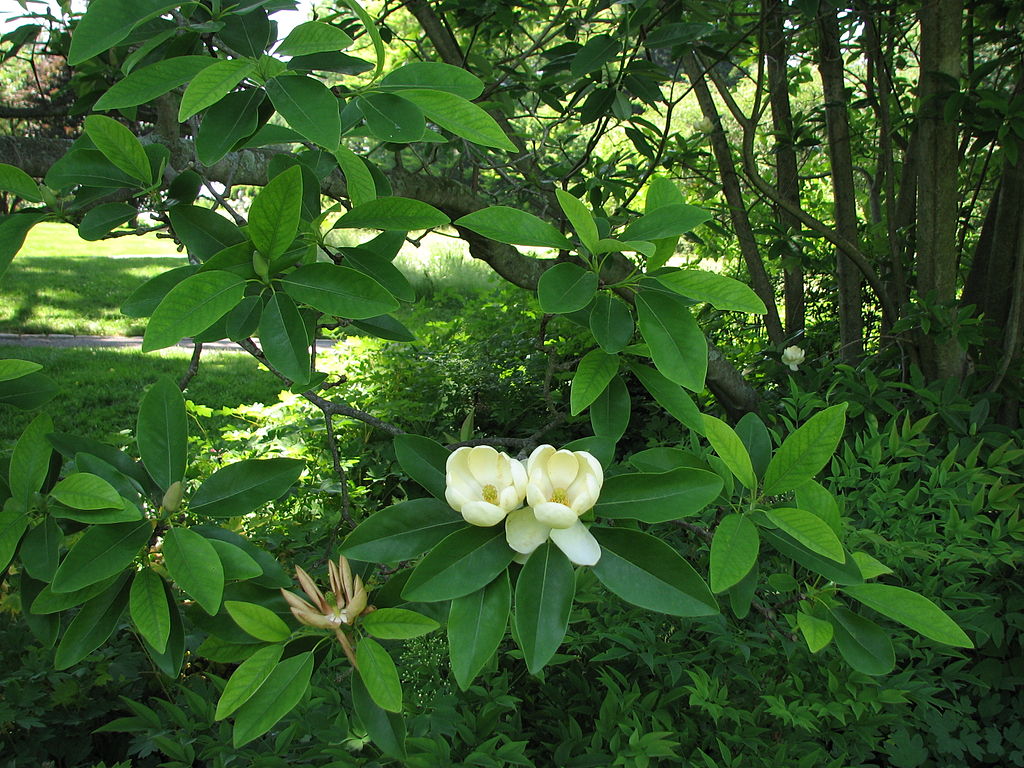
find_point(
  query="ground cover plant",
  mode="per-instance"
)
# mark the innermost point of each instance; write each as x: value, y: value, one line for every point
x: 546, y: 521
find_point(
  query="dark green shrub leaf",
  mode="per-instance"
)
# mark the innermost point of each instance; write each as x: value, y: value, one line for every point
x: 247, y: 679
x: 677, y: 344
x: 462, y: 563
x: 912, y: 610
x: 30, y: 461
x: 810, y: 530
x: 461, y: 117
x: 162, y: 433
x: 148, y: 83
x: 262, y: 623
x: 12, y: 368
x: 244, y: 486
x: 18, y: 183
x: 233, y: 118
x: 802, y: 455
x: 283, y: 688
x: 845, y: 572
x: 386, y: 729
x: 598, y: 51
x: 237, y: 564
x: 48, y: 601
x: 670, y: 396
x: 274, y: 217
x: 593, y: 375
x: 313, y: 37
x: 192, y: 306
x: 817, y: 632
x: 730, y: 448
x: 392, y: 118
x: 733, y: 552
x: 754, y: 435
x: 660, y: 497
x: 434, y: 76
x: 97, y: 223
x: 193, y: 564
x: 107, y: 22
x: 89, y: 168
x: 44, y: 627
x: 381, y: 270
x: 609, y: 414
x: 424, y: 461
x: 147, y: 297
x: 213, y: 83
x: 580, y: 218
x: 476, y: 626
x: 339, y: 291
x: 863, y: 644
x: 247, y: 32
x: 402, y: 531
x: 393, y: 213
x: 13, y: 231
x: 515, y: 227
x: 666, y: 221
x: 647, y: 572
x: 358, y: 179
x: 13, y: 523
x: 611, y: 323
x: 40, y: 550
x: 119, y: 146
x: 379, y: 675
x: 397, y: 624
x: 203, y: 232
x: 102, y: 552
x: 283, y: 336
x: 147, y: 604
x: 83, y: 490
x: 93, y: 625
x: 719, y: 291
x: 566, y: 288
x: 309, y: 107
x: 544, y: 594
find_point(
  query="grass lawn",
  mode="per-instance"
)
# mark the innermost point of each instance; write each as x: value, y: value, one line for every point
x: 101, y: 388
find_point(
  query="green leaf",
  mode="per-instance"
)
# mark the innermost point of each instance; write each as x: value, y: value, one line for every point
x: 226, y: 123
x: 244, y: 486
x: 193, y: 564
x: 379, y: 674
x: 461, y: 117
x: 647, y: 572
x: 810, y: 530
x: 593, y: 374
x: 754, y: 435
x: 48, y: 601
x: 237, y: 563
x: 658, y: 497
x: 544, y: 593
x: 802, y: 455
x: 424, y: 461
x: 192, y: 306
x: 566, y: 288
x: 203, y: 232
x: 162, y: 433
x: 283, y: 336
x: 40, y: 550
x: 213, y: 83
x: 397, y: 624
x: 13, y: 231
x: 153, y: 81
x: 719, y: 291
x: 912, y: 610
x: 43, y: 627
x: 170, y: 660
x: 92, y: 626
x: 870, y: 568
x: 678, y: 347
x: 730, y: 448
x: 383, y: 327
x: 107, y: 22
x: 402, y: 531
x: 434, y: 76
x: 280, y: 692
x: 733, y: 552
x: 817, y: 632
x: 863, y: 644
x: 262, y: 623
x: 247, y: 679
x: 358, y: 179
x: 670, y: 396
x: 667, y: 221
x: 30, y: 462
x: 580, y: 218
x: 313, y: 37
x: 13, y: 368
x: 339, y: 291
x: 82, y: 490
x: 515, y: 227
x: 99, y: 221
x: 386, y: 729
x: 609, y: 414
x: 101, y: 552
x: 611, y: 323
x: 392, y: 213
x: 598, y: 51
x: 380, y: 269
x: 18, y: 183
x: 147, y: 297
x: 308, y: 106
x: 845, y: 572
x: 392, y: 118
x: 274, y: 216
x: 247, y: 32
x: 119, y: 146
x: 13, y: 522
x: 462, y: 563
x: 148, y: 607
x: 476, y: 627
x: 89, y: 168
x: 815, y: 498
x: 28, y: 392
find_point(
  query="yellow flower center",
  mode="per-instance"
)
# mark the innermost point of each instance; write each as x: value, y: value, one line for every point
x: 490, y: 494
x: 559, y: 496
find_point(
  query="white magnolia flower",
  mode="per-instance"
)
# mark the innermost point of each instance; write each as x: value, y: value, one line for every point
x: 792, y: 356
x: 524, y: 533
x: 562, y: 485
x: 484, y: 485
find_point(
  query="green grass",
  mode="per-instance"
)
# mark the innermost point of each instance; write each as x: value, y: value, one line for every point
x: 101, y: 388
x: 52, y: 239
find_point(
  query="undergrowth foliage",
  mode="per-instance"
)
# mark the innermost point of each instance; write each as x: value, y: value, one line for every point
x: 393, y: 562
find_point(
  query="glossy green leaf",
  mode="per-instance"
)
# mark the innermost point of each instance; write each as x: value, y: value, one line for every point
x: 236, y: 562
x: 462, y: 563
x: 912, y: 610
x: 149, y: 610
x: 755, y: 438
x: 274, y: 216
x: 204, y: 233
x: 391, y: 118
x: 515, y: 227
x: 863, y: 644
x: 386, y: 729
x: 107, y: 22
x: 845, y: 572
x: 463, y: 118
x: 611, y: 322
x: 44, y: 627
x: 803, y: 454
x: 870, y: 568
x: 670, y: 396
x: 13, y: 368
x: 284, y: 339
x: 93, y: 624
x: 99, y: 221
x: 566, y: 288
x: 47, y: 601
x: 273, y: 576
x: 810, y: 530
x: 280, y: 692
x: 667, y: 221
x: 598, y: 51
x: 382, y: 270
x: 397, y: 624
x: 40, y: 550
x: 658, y: 497
x: 169, y: 661
x: 434, y: 76
x: 593, y: 374
x: 244, y: 486
x: 817, y: 632
x: 734, y: 551
x: 18, y: 183
x: 309, y: 107
x: 248, y: 32
x: 148, y: 83
x: 424, y: 461
x: 147, y: 297
x: 313, y: 37
x: 610, y: 412
x: 30, y: 461
x: 227, y: 122
x: 393, y: 213
x: 247, y: 679
x: 730, y: 448
x: 719, y: 291
x: 402, y: 531
x: 192, y: 306
x: 195, y: 567
x: 647, y: 572
x: 580, y: 218
x: 339, y: 291
x: 213, y: 83
x: 678, y: 347
x: 258, y: 621
x: 86, y: 167
x: 83, y: 490
x: 815, y: 498
x: 358, y: 179
x: 379, y: 674
x: 476, y: 627
x: 544, y: 593
x: 13, y: 231
x: 162, y: 432
x: 119, y: 146
x: 13, y: 523
x: 101, y: 552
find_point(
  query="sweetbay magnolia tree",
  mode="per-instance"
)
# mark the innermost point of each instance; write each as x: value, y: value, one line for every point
x: 96, y: 536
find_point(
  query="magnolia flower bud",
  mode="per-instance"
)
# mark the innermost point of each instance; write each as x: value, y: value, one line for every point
x: 792, y: 356
x: 172, y: 497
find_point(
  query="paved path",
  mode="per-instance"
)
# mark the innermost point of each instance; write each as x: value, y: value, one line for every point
x: 63, y: 340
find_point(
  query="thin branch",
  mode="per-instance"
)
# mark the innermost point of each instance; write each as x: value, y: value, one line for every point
x: 193, y: 366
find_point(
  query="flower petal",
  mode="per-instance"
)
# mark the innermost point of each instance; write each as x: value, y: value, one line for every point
x: 578, y: 544
x: 458, y: 462
x: 518, y: 477
x: 554, y: 514
x: 482, y: 513
x: 484, y: 464
x: 509, y: 498
x: 454, y: 496
x: 538, y: 458
x: 562, y: 468
x: 523, y: 532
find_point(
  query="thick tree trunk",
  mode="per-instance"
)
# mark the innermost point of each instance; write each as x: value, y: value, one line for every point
x: 937, y: 191
x: 787, y: 178
x: 830, y: 66
x: 734, y: 199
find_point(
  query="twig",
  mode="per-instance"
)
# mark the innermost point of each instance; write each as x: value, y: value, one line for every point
x: 193, y: 366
